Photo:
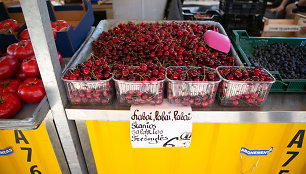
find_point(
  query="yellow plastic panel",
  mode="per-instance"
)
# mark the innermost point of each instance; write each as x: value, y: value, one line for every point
x: 38, y: 153
x: 215, y: 149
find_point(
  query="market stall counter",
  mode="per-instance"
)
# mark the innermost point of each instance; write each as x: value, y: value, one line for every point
x: 221, y: 135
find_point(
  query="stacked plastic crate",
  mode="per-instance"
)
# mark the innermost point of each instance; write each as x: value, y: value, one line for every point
x: 243, y: 14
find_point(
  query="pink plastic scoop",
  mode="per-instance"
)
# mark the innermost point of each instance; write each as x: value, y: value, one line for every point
x: 217, y: 41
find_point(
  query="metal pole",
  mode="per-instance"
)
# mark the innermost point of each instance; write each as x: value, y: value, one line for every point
x: 38, y: 23
x: 86, y: 146
x: 56, y: 144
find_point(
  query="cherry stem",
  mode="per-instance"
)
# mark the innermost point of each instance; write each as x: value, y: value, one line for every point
x: 187, y: 73
x: 204, y: 77
x: 141, y: 77
x: 93, y: 75
x: 93, y: 56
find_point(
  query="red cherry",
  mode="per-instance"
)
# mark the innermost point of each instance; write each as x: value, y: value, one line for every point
x: 143, y: 67
x: 204, y: 104
x: 155, y: 72
x: 153, y: 79
x: 254, y: 95
x: 235, y: 102
x: 73, y: 77
x: 125, y: 72
x: 161, y: 76
x: 230, y: 77
x: 260, y: 99
x: 86, y: 70
x: 175, y: 76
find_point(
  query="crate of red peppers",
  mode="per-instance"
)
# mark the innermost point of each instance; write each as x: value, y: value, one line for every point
x: 196, y: 86
x: 89, y: 82
x: 244, y: 86
x: 142, y: 84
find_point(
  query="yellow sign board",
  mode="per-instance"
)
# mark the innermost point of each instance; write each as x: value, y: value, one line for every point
x: 27, y: 152
x: 215, y: 149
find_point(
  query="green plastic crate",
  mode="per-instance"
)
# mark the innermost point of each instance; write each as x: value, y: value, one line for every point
x: 244, y: 44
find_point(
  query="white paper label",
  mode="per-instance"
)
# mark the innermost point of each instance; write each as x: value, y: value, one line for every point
x: 289, y: 28
x: 166, y: 125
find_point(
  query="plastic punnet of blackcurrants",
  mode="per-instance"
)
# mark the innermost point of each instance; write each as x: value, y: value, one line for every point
x: 243, y: 93
x: 196, y: 90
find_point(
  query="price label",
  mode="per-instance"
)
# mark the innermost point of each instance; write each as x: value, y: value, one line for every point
x: 166, y: 125
x: 293, y: 28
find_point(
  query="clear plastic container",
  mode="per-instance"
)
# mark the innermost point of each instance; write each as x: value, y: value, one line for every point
x: 195, y: 93
x: 94, y: 92
x: 243, y: 93
x: 139, y: 92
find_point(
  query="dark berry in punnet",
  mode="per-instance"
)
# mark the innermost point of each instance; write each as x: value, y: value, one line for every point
x: 287, y: 59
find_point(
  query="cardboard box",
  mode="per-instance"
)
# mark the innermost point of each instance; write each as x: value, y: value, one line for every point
x: 80, y: 17
x: 285, y: 27
x: 7, y: 39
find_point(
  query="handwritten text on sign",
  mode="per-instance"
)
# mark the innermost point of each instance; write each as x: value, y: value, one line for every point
x: 160, y: 126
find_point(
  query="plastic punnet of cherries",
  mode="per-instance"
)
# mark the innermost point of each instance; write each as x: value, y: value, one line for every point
x: 89, y: 82
x: 135, y: 57
x: 140, y: 84
x: 244, y: 86
x: 196, y: 86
